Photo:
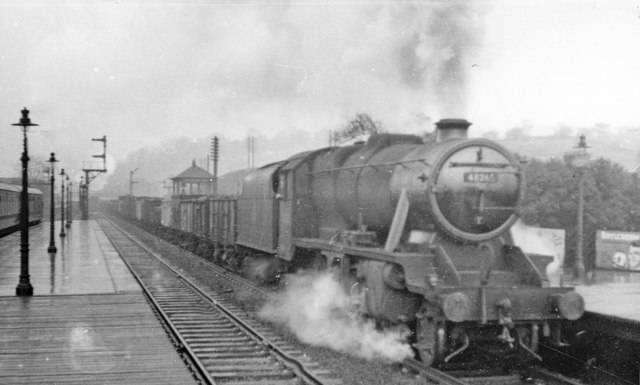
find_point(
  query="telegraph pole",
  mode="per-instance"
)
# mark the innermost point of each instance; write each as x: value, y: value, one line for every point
x: 215, y: 147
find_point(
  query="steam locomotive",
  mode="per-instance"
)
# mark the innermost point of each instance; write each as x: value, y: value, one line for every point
x: 417, y: 233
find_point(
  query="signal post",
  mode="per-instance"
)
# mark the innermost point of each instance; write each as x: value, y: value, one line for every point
x: 90, y: 173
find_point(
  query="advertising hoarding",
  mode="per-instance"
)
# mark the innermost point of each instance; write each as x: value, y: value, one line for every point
x: 545, y: 247
x: 618, y: 250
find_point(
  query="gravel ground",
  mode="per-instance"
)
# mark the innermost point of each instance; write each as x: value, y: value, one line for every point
x: 352, y: 370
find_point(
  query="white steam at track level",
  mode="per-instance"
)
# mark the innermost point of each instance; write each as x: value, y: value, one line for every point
x: 318, y: 311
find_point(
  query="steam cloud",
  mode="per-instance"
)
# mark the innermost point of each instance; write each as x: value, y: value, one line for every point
x: 318, y: 311
x: 144, y: 74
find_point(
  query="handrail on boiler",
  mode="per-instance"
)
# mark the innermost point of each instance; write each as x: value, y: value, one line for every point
x: 348, y: 168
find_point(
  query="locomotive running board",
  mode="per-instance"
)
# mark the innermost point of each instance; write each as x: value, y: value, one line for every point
x: 416, y: 266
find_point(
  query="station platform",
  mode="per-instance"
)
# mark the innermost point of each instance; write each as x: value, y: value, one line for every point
x: 87, y: 322
x: 613, y: 293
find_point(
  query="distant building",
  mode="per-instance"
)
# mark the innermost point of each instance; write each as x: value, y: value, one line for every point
x: 193, y: 182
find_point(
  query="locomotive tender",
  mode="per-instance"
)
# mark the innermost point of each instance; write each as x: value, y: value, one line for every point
x: 417, y: 233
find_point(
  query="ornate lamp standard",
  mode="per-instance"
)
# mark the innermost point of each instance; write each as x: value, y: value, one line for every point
x: 52, y: 243
x: 80, y: 200
x: 68, y: 224
x: 62, y: 175
x: 70, y: 204
x: 24, y: 287
x: 580, y: 160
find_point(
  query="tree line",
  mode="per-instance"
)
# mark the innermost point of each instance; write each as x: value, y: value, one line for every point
x: 611, y: 193
x: 611, y: 200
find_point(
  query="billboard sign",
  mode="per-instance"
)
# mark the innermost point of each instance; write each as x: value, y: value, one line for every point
x: 539, y: 240
x: 541, y: 243
x: 618, y: 250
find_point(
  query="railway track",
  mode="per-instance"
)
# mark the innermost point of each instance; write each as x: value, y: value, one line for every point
x: 429, y: 375
x: 222, y: 345
x: 536, y: 375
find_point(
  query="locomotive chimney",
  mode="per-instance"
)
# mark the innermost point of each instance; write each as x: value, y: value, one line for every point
x: 451, y: 129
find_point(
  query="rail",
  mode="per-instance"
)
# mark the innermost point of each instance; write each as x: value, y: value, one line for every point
x: 180, y: 304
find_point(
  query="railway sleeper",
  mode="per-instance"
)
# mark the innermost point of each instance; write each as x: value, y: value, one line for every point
x: 195, y: 319
x: 271, y: 382
x: 239, y: 361
x: 204, y: 354
x: 206, y: 342
x: 224, y: 348
x: 213, y: 333
x: 256, y: 367
x: 184, y: 304
x: 187, y: 313
x: 219, y: 330
x: 217, y: 334
x: 203, y: 323
x: 207, y: 334
x: 186, y: 307
x: 264, y: 375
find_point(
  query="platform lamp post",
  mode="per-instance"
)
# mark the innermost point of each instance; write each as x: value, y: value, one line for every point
x: 580, y: 161
x: 24, y: 287
x: 70, y: 203
x: 52, y: 243
x: 62, y: 175
x: 68, y: 224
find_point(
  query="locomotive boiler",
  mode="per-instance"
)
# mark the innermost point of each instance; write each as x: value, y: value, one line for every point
x: 417, y: 234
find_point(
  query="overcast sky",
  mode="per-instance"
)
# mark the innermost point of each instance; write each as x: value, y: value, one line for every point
x: 144, y: 72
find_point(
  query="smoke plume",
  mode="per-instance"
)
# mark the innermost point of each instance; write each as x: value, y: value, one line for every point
x: 318, y: 311
x: 144, y: 74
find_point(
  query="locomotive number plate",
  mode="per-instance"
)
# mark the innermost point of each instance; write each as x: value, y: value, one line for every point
x: 480, y: 177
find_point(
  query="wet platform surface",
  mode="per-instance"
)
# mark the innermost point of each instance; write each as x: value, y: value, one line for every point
x: 613, y: 293
x: 85, y: 262
x: 87, y: 322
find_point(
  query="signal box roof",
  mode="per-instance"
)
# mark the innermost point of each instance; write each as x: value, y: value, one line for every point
x: 194, y: 172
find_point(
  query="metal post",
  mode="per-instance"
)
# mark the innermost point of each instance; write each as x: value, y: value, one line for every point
x: 215, y: 154
x: 85, y: 197
x: 68, y: 223
x: 70, y: 203
x: 131, y: 181
x: 81, y: 189
x: 62, y: 175
x: 579, y: 268
x: 24, y: 287
x: 581, y: 160
x: 52, y: 243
